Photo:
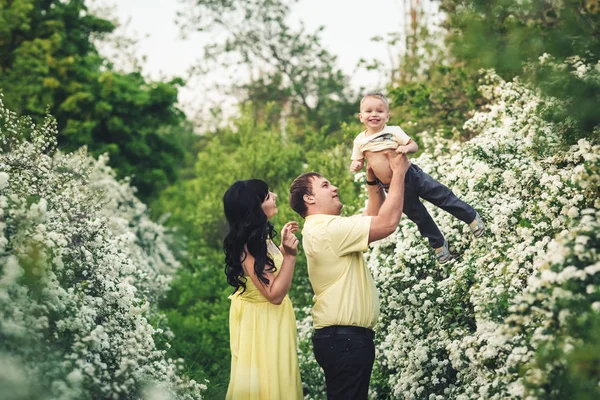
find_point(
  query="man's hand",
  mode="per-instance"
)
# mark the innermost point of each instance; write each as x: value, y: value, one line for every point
x: 398, y: 163
x: 370, y: 174
x: 289, y: 241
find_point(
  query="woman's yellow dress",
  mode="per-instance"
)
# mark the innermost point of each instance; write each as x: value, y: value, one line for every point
x: 264, y: 359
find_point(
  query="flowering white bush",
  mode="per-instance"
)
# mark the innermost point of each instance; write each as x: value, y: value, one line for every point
x: 81, y: 269
x: 313, y: 378
x: 451, y: 335
x: 502, y: 320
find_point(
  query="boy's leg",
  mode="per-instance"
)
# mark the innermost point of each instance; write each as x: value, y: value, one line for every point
x: 417, y: 213
x: 441, y: 196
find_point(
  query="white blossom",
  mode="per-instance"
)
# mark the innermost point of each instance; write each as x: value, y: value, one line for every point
x: 82, y: 267
x: 464, y: 331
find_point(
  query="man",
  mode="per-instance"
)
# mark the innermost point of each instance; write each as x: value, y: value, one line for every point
x: 346, y: 301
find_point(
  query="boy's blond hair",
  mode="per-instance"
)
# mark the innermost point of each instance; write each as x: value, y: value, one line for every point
x: 377, y: 95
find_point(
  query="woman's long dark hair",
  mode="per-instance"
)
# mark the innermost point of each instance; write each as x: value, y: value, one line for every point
x: 248, y: 225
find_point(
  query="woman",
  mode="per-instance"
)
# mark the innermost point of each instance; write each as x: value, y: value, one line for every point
x: 262, y: 325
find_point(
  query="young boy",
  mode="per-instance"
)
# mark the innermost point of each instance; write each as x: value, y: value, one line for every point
x: 378, y: 139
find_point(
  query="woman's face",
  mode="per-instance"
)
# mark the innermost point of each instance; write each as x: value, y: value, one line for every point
x: 268, y: 205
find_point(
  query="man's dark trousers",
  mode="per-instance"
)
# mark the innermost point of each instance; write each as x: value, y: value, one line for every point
x: 346, y: 354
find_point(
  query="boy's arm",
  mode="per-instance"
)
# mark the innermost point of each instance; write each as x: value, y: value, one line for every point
x: 410, y: 147
x: 405, y: 143
x: 356, y: 150
x: 357, y: 157
x: 357, y: 165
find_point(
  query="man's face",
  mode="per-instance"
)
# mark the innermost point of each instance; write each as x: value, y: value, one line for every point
x: 324, y: 199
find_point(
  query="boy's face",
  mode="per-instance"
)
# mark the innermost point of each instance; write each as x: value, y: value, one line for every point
x: 374, y: 114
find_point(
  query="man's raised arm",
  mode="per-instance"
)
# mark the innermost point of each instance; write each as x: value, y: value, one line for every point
x: 385, y: 222
x: 376, y: 194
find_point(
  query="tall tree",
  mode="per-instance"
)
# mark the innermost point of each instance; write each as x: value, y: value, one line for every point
x: 557, y: 42
x: 286, y: 66
x: 48, y: 60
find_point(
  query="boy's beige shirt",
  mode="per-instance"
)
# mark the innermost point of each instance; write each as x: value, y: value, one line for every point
x: 390, y: 137
x: 345, y: 293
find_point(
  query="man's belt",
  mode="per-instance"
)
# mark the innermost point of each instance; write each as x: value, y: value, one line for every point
x: 343, y: 330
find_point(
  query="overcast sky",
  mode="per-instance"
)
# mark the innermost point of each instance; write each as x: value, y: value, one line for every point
x: 349, y: 26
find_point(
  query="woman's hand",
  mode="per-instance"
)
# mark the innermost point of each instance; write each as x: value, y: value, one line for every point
x: 289, y: 241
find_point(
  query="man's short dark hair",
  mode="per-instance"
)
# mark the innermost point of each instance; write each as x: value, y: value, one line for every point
x: 302, y: 185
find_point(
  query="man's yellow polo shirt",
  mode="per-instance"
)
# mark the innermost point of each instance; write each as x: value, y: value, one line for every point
x: 345, y: 293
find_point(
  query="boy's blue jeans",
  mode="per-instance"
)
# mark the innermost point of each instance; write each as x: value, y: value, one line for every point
x: 418, y: 184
